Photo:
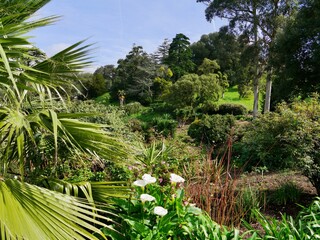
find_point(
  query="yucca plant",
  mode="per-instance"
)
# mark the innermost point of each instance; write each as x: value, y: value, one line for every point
x: 28, y: 84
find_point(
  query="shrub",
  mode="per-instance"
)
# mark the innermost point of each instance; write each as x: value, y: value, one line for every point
x: 288, y: 138
x: 165, y: 125
x: 133, y: 108
x: 208, y: 108
x: 233, y: 109
x: 104, y: 99
x: 184, y: 114
x: 211, y: 130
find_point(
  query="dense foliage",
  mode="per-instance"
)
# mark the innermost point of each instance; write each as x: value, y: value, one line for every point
x: 288, y: 138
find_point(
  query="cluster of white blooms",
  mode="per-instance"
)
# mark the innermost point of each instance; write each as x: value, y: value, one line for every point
x: 147, y: 198
x: 147, y: 179
x: 160, y: 211
x: 174, y: 178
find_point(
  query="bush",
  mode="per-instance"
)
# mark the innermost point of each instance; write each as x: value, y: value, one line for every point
x: 288, y: 138
x: 165, y: 126
x: 208, y: 108
x: 233, y: 109
x: 104, y: 99
x: 184, y: 115
x: 133, y: 108
x: 211, y: 130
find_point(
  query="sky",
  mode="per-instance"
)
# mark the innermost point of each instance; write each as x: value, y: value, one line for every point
x: 115, y: 25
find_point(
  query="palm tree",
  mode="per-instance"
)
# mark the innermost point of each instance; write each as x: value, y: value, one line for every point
x: 28, y: 84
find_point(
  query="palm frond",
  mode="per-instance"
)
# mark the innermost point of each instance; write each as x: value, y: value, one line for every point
x: 99, y: 192
x: 30, y: 212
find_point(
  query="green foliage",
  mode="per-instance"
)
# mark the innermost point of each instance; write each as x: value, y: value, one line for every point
x: 247, y: 199
x: 178, y: 219
x: 164, y: 125
x: 191, y: 90
x: 184, y: 114
x: 104, y: 99
x: 233, y: 109
x: 158, y: 160
x: 223, y: 47
x: 133, y: 108
x: 296, y: 54
x: 305, y: 226
x: 208, y: 108
x: 179, y: 57
x: 288, y: 138
x: 184, y: 92
x: 286, y: 193
x: 135, y: 75
x: 212, y: 130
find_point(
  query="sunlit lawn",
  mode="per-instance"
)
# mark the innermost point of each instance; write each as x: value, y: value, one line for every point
x: 232, y: 96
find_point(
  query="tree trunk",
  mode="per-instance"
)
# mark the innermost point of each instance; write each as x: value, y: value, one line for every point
x: 268, y: 93
x: 256, y: 96
x: 256, y: 77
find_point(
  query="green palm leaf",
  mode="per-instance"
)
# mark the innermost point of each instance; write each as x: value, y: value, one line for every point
x: 92, y: 191
x: 30, y: 212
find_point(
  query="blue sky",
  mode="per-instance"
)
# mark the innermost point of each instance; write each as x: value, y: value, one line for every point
x: 115, y: 25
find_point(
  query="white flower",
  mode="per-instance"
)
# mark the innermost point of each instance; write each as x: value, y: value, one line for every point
x: 148, y: 178
x: 147, y: 198
x: 174, y: 178
x: 140, y: 183
x: 160, y: 211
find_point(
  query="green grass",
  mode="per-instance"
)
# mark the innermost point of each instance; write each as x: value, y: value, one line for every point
x: 232, y: 96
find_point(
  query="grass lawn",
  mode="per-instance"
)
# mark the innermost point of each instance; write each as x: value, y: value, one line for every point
x: 232, y: 96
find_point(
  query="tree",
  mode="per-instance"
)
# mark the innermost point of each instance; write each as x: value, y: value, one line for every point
x: 135, y: 75
x: 260, y: 20
x: 296, y: 55
x: 185, y: 91
x: 179, y: 59
x: 109, y: 73
x: 28, y: 211
x: 162, y: 52
x: 191, y: 90
x: 221, y: 46
x: 210, y: 68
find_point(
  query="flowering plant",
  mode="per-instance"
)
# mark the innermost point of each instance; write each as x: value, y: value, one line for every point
x: 161, y: 212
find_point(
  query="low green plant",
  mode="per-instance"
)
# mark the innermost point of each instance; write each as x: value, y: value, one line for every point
x: 286, y: 193
x: 161, y: 212
x: 248, y: 199
x: 305, y: 226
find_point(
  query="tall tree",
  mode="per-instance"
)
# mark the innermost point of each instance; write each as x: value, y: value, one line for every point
x: 135, y: 75
x: 162, y: 51
x: 296, y: 54
x: 180, y: 56
x: 109, y: 73
x: 221, y: 46
x: 260, y: 20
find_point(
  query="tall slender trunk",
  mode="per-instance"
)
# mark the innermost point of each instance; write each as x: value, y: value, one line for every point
x: 256, y: 72
x: 268, y: 92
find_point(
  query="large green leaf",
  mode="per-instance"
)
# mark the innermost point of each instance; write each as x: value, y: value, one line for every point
x: 30, y: 212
